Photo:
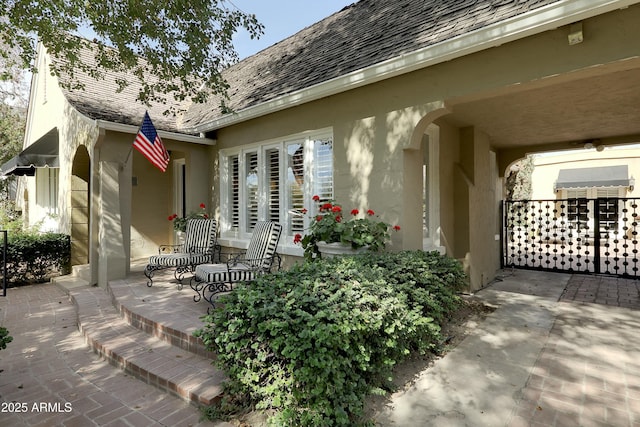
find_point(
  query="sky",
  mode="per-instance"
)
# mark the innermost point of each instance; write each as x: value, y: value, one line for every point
x: 282, y: 18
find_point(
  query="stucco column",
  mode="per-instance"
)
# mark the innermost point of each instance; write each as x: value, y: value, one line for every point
x: 112, y: 258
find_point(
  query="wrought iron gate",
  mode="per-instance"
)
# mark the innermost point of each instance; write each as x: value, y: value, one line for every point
x: 573, y: 235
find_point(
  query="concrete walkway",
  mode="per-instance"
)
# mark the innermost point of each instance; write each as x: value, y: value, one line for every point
x: 545, y: 357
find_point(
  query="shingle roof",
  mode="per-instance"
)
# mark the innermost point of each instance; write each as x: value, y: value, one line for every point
x: 363, y: 34
x: 100, y: 100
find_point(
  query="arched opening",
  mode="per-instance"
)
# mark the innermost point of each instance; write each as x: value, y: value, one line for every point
x: 422, y: 186
x: 80, y: 207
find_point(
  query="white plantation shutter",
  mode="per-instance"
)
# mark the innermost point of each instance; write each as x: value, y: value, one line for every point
x: 273, y: 184
x: 252, y: 189
x: 234, y: 192
x: 295, y: 186
x: 323, y: 168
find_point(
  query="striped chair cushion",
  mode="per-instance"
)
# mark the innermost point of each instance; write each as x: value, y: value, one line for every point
x: 200, y: 235
x: 179, y: 259
x: 219, y: 273
x: 263, y: 244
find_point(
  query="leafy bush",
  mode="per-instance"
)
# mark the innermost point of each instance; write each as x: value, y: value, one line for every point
x: 10, y: 219
x: 5, y: 338
x: 32, y: 257
x: 310, y: 343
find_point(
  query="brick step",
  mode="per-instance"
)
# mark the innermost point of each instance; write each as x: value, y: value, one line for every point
x: 163, y: 311
x: 173, y: 369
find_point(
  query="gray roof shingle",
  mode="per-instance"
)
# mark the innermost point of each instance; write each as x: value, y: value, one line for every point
x: 363, y: 34
x: 101, y: 100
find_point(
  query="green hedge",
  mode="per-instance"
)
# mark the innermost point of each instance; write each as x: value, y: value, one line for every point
x: 32, y: 258
x: 311, y: 343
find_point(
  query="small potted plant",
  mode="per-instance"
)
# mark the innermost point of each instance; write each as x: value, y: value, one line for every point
x: 180, y: 224
x: 331, y: 233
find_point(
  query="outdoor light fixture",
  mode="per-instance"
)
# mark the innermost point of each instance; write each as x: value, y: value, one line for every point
x: 593, y: 143
x: 575, y: 33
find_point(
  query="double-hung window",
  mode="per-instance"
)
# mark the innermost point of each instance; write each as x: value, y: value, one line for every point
x: 275, y: 181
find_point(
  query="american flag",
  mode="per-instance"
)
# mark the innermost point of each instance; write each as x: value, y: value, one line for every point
x: 148, y: 142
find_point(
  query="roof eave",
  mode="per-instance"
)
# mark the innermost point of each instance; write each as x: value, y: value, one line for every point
x: 120, y: 127
x: 525, y: 25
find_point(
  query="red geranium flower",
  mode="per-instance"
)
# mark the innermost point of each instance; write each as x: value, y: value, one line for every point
x: 336, y: 209
x: 370, y: 212
x: 297, y: 238
x: 326, y: 207
x: 304, y: 210
x: 319, y: 218
x: 396, y: 227
x: 355, y: 212
x: 206, y: 216
x: 338, y: 218
x: 202, y: 206
x: 316, y: 198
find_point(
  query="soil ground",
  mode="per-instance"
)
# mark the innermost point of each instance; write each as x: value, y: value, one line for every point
x: 471, y: 313
x: 464, y: 320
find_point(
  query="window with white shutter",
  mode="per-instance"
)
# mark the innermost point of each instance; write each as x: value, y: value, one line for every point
x: 234, y: 193
x: 323, y: 168
x: 47, y: 189
x: 273, y: 184
x: 295, y: 188
x: 276, y: 181
x: 251, y: 189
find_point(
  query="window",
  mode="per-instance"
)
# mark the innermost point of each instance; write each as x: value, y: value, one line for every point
x: 609, y: 209
x: 577, y: 208
x: 275, y: 181
x: 580, y: 207
x: 47, y: 189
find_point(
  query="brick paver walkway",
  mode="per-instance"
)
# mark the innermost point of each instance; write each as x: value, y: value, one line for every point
x: 606, y: 290
x: 588, y: 373
x: 48, y: 377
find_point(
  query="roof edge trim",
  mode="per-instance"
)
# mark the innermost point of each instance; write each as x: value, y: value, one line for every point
x: 121, y: 127
x: 528, y: 24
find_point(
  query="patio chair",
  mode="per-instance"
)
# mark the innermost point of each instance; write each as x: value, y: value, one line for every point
x: 199, y: 247
x: 260, y: 257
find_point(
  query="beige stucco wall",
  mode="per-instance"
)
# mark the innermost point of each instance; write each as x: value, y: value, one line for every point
x: 152, y: 195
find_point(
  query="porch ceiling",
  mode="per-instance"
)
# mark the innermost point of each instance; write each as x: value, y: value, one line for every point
x: 570, y: 109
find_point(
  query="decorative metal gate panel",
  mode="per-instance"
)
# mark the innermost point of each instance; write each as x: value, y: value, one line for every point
x: 573, y: 235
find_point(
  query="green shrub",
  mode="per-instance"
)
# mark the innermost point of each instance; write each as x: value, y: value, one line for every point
x: 310, y: 343
x: 5, y: 338
x: 33, y: 257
